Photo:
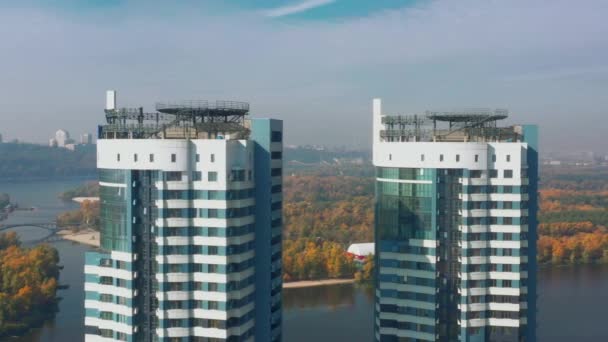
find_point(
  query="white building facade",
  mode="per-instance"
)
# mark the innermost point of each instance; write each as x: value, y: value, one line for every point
x: 455, y: 227
x: 190, y: 231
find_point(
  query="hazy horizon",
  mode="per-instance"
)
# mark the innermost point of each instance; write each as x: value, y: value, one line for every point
x: 316, y: 64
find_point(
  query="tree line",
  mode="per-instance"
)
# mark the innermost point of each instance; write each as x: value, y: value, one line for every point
x: 31, y: 161
x: 28, y: 284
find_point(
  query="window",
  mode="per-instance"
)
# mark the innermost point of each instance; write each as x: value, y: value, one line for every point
x: 212, y: 176
x: 151, y: 158
x: 173, y: 158
x: 441, y: 157
x: 106, y: 298
x: 493, y: 157
x: 105, y: 315
x: 173, y: 176
x: 507, y: 205
x: 422, y: 157
x: 212, y: 250
x: 106, y: 333
x: 197, y: 175
x: 198, y: 158
x: 135, y: 157
x: 276, y: 155
x: 175, y: 286
x: 175, y: 304
x: 276, y: 172
x: 508, y: 189
x: 457, y: 157
x: 105, y: 280
x: 390, y: 157
x: 118, y: 157
x: 212, y: 213
x: 212, y: 158
x: 508, y: 173
x: 476, y: 158
x: 508, y: 157
x: 493, y: 173
x: 276, y: 136
x: 175, y: 323
x: 237, y: 175
x: 475, y: 174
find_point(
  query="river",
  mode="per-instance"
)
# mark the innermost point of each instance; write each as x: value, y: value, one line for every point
x: 573, y: 301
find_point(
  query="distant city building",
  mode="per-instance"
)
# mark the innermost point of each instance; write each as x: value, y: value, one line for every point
x: 52, y: 142
x: 1, y: 138
x: 191, y: 226
x: 86, y: 139
x: 62, y: 137
x: 455, y: 227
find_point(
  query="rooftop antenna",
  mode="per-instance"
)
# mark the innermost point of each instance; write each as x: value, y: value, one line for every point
x: 111, y: 100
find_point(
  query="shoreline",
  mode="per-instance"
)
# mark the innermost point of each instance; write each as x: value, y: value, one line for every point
x: 86, y: 237
x: 315, y: 283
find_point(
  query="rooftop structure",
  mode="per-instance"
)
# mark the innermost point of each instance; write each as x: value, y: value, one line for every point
x: 477, y: 124
x: 177, y: 120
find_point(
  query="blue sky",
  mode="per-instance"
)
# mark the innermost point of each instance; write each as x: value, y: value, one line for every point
x: 314, y: 63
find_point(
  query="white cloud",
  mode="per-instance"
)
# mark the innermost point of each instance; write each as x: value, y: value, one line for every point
x: 297, y: 8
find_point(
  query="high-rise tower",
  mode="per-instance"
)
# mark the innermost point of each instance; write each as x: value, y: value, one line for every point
x: 455, y: 227
x: 191, y: 216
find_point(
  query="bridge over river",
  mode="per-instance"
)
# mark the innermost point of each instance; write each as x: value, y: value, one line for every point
x: 50, y: 227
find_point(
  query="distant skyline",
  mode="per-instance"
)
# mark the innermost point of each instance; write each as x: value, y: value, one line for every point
x: 316, y: 64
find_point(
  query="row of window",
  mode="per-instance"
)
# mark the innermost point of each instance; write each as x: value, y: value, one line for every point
x: 494, y: 314
x: 473, y: 221
x: 390, y: 323
x: 208, y: 250
x: 107, y: 333
x: 224, y: 195
x: 473, y: 252
x: 495, y: 189
x: 494, y: 173
x: 151, y: 157
x: 495, y: 299
x: 504, y: 283
x: 207, y: 212
x: 406, y: 310
x: 207, y: 231
x: 204, y: 268
x: 457, y: 158
x: 109, y: 298
x: 471, y: 205
x: 494, y: 267
x: 494, y: 236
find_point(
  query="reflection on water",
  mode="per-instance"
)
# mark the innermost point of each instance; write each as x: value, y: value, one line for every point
x: 330, y: 297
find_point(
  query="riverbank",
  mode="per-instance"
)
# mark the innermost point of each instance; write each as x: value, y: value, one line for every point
x: 86, y: 237
x: 312, y: 283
